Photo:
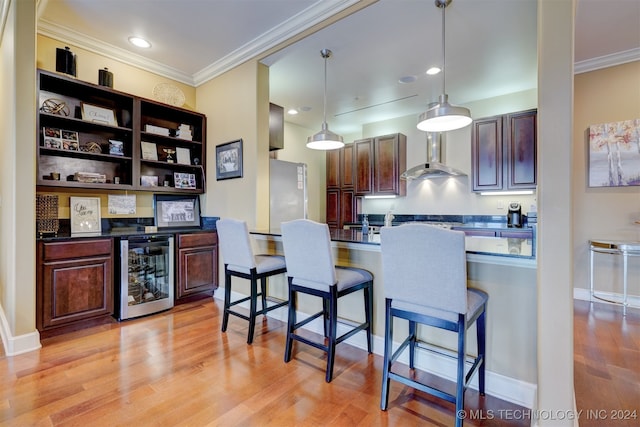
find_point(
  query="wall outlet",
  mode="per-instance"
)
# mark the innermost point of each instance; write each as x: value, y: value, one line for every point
x: 500, y: 205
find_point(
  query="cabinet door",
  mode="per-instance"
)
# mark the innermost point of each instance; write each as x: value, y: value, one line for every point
x: 521, y: 149
x: 347, y: 173
x: 486, y: 154
x: 76, y: 289
x: 333, y: 169
x: 364, y: 166
x: 197, y: 264
x: 333, y: 208
x: 347, y: 207
x: 390, y: 162
x: 198, y: 270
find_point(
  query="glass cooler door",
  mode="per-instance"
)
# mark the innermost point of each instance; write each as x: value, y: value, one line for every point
x: 146, y: 282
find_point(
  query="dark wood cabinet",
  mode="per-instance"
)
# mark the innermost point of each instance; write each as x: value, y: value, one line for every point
x: 91, y: 136
x: 74, y: 284
x: 364, y: 166
x: 276, y: 127
x: 503, y: 152
x: 379, y: 162
x: 197, y: 265
x: 341, y: 203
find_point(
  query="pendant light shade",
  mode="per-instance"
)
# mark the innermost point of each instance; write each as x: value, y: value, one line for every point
x: 443, y: 116
x: 325, y: 139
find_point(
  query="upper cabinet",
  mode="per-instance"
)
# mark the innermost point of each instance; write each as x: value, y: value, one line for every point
x: 379, y: 162
x: 92, y: 136
x: 503, y: 152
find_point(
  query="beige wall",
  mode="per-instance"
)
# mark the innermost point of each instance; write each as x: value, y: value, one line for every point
x: 603, y: 96
x: 126, y: 78
x: 17, y: 187
x: 555, y: 303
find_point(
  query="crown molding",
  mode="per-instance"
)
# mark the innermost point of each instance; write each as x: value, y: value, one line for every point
x: 293, y: 26
x: 304, y: 20
x: 66, y: 35
x: 606, y: 61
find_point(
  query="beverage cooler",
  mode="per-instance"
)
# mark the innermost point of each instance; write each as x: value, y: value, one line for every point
x: 146, y: 276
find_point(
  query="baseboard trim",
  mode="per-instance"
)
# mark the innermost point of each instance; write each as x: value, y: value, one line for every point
x: 506, y: 388
x: 585, y: 295
x: 18, y: 344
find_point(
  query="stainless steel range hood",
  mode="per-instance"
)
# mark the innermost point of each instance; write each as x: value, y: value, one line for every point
x: 434, y: 168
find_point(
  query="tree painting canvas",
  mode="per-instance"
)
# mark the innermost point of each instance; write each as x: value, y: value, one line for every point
x: 614, y: 154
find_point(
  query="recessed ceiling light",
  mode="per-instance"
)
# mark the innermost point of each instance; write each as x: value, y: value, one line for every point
x: 407, y: 79
x: 292, y: 111
x: 140, y: 42
x: 433, y: 70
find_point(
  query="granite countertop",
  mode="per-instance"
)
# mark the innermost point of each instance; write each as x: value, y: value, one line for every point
x: 481, y: 245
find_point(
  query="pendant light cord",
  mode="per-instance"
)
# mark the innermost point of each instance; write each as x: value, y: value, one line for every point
x: 443, y: 5
x: 324, y: 109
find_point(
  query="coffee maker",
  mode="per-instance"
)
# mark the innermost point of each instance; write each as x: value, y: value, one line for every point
x: 514, y: 217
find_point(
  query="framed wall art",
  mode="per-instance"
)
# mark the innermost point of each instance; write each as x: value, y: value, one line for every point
x: 85, y: 215
x: 229, y: 160
x: 614, y: 154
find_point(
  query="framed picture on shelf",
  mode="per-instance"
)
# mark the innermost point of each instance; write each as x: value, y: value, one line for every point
x: 51, y: 132
x: 69, y: 135
x: 148, y: 181
x: 229, y: 160
x: 95, y: 114
x: 184, y: 180
x: 149, y: 150
x: 183, y: 156
x: 85, y: 215
x: 116, y: 148
x: 68, y: 144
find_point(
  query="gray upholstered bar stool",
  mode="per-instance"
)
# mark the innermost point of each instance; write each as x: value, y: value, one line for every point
x: 425, y: 282
x: 240, y: 261
x: 311, y: 270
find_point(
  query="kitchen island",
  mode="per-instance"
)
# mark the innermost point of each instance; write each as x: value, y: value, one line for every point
x: 493, y: 265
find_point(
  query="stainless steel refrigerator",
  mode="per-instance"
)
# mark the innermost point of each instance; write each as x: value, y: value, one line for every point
x: 288, y: 192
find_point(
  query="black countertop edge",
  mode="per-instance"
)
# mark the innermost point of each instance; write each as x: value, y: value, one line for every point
x: 126, y: 227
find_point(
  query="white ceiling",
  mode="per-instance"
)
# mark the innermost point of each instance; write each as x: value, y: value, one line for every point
x: 490, y: 47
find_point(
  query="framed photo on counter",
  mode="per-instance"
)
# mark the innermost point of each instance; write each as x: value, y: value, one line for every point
x: 85, y: 215
x: 173, y: 211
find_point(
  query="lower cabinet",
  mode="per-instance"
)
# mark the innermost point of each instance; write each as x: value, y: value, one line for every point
x: 196, y: 265
x: 74, y: 284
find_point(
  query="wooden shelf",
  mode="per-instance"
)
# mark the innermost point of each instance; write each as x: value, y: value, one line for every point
x: 131, y: 115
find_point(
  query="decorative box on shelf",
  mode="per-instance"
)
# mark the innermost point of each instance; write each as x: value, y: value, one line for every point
x: 90, y: 177
x: 156, y: 130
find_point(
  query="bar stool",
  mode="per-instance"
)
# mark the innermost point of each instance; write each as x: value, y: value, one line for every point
x: 425, y: 282
x: 311, y: 270
x: 240, y: 261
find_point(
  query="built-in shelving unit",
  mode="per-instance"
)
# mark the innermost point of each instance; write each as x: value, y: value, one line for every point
x: 92, y: 136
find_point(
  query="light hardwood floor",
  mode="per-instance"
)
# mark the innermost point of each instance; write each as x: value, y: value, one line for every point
x: 177, y: 369
x: 607, y: 364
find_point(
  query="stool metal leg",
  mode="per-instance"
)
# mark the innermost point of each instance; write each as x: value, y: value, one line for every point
x: 624, y: 283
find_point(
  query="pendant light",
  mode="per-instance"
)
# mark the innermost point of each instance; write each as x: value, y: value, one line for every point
x: 443, y: 116
x: 325, y: 139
